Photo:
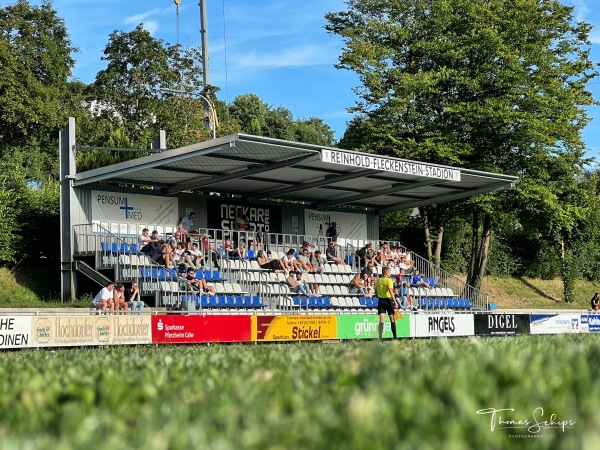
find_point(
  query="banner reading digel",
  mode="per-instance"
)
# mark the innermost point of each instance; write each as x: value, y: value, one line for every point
x: 501, y: 324
x: 90, y: 330
x: 294, y: 328
x: 365, y: 326
x: 196, y: 329
x: 15, y: 332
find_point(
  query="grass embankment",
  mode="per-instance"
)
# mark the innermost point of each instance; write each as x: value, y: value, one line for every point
x: 30, y: 290
x: 362, y: 395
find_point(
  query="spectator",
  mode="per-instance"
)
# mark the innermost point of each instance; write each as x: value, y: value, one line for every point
x: 317, y: 261
x: 304, y: 260
x: 402, y: 280
x: 595, y: 302
x: 366, y: 254
x: 178, y: 254
x: 332, y: 233
x: 144, y: 238
x: 265, y: 262
x: 356, y: 286
x: 197, y: 283
x: 105, y: 298
x: 368, y: 271
x: 153, y: 249
x: 296, y: 284
x: 332, y: 253
x: 167, y: 254
x: 132, y: 297
x: 119, y: 298
x: 186, y: 223
x: 174, y: 240
x: 234, y: 252
x: 194, y: 257
x: 368, y: 284
x: 209, y: 249
x: 289, y: 261
x: 416, y: 280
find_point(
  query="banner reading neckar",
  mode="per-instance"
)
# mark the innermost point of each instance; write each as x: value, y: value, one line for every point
x: 365, y: 326
x: 222, y: 214
x: 294, y: 328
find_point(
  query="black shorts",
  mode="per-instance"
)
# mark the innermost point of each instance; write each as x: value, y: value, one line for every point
x: 385, y: 306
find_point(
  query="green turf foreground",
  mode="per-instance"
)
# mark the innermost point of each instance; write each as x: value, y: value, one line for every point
x: 366, y: 395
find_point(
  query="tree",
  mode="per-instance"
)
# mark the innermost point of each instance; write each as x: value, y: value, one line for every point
x: 494, y: 85
x: 35, y: 56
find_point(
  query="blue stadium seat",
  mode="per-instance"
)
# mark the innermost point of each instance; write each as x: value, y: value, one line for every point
x: 303, y: 303
x: 369, y: 302
x: 133, y: 248
x: 162, y: 274
x: 312, y: 302
x: 231, y: 301
x: 422, y: 303
x: 222, y: 301
x: 145, y: 273
x: 467, y: 303
x: 363, y: 302
x: 239, y: 301
x: 200, y: 274
x: 204, y: 301
x: 213, y: 301
x: 247, y: 301
x: 296, y: 301
x: 115, y: 247
x: 154, y: 273
x: 319, y: 302
x: 327, y: 302
x: 256, y: 303
x: 375, y: 302
x: 215, y: 276
x: 251, y: 254
x: 105, y: 247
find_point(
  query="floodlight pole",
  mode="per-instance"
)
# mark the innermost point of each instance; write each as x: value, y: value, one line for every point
x: 208, y: 102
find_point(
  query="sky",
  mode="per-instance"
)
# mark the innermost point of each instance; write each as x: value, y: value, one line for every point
x: 276, y: 49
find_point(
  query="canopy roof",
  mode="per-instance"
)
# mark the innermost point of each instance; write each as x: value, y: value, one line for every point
x: 260, y: 168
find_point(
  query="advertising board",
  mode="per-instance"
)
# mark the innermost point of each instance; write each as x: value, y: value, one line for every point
x: 294, y: 328
x: 590, y: 323
x: 58, y: 331
x: 431, y: 325
x: 555, y: 323
x: 222, y: 214
x: 195, y: 329
x: 15, y: 332
x: 127, y: 208
x: 501, y: 324
x: 366, y: 326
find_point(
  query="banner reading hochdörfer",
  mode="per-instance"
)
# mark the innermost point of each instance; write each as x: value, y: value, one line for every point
x: 365, y: 326
x: 58, y: 331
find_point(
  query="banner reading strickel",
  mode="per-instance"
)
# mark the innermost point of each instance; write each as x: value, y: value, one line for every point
x: 294, y: 328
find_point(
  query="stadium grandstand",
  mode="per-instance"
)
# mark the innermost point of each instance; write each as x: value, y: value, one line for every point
x: 251, y: 194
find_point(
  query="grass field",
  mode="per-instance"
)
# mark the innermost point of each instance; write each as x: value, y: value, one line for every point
x: 364, y: 395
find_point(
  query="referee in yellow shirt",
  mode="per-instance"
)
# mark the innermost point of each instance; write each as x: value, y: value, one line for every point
x: 384, y: 288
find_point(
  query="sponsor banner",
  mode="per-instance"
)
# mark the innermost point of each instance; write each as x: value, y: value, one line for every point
x: 294, y: 328
x: 430, y: 325
x: 194, y: 329
x: 222, y: 214
x: 365, y: 161
x: 365, y: 326
x: 555, y: 323
x: 501, y: 324
x: 590, y: 323
x: 349, y: 225
x: 58, y: 331
x: 134, y: 209
x: 15, y: 332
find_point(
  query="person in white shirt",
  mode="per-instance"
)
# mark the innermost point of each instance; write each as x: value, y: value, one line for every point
x: 104, y: 298
x: 194, y: 257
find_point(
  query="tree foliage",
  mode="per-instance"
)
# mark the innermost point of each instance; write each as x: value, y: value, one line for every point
x: 493, y: 85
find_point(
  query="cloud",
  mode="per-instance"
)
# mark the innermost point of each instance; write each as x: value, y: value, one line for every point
x: 298, y: 56
x: 137, y: 18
